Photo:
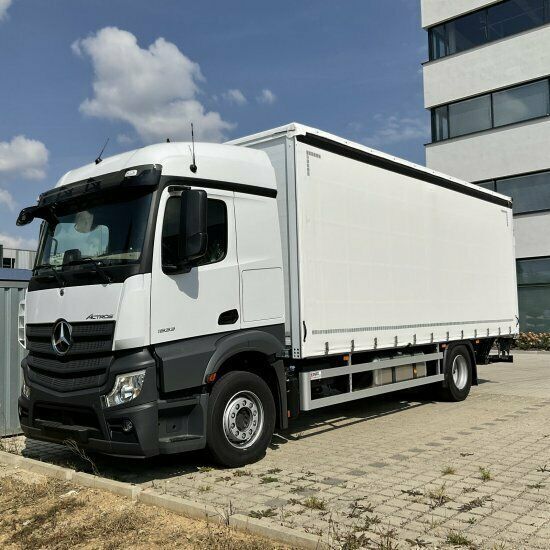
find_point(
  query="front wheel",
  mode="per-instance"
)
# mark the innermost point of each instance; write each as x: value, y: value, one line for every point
x: 458, y: 374
x: 241, y: 419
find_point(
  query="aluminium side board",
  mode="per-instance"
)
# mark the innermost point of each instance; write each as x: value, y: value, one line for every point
x: 381, y: 253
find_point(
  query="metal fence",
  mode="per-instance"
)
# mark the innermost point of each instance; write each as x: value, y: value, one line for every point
x: 11, y: 355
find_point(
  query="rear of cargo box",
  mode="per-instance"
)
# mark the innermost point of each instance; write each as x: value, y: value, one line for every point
x: 376, y: 259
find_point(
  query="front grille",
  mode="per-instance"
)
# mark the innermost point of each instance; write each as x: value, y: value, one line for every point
x: 85, y: 365
x: 87, y: 338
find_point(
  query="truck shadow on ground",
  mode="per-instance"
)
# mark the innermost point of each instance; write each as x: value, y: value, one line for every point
x: 308, y: 425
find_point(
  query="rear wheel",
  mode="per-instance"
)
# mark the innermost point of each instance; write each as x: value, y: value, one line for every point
x: 458, y: 374
x: 241, y: 419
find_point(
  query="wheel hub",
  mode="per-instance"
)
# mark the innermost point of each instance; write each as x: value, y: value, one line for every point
x: 460, y: 372
x: 243, y: 419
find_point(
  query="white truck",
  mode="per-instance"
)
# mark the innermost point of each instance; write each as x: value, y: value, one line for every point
x: 178, y: 304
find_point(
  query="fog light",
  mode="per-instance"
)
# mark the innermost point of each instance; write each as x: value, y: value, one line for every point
x: 127, y: 426
x: 126, y: 388
x: 25, y: 391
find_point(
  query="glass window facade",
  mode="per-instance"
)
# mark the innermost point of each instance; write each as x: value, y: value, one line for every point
x: 492, y: 110
x: 521, y: 103
x: 534, y: 294
x: 472, y: 115
x: 529, y: 192
x: 486, y: 25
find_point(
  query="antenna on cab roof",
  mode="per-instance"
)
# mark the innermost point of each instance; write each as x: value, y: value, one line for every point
x: 193, y: 166
x: 99, y: 159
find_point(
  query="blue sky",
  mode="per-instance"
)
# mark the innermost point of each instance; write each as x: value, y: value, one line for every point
x: 75, y: 72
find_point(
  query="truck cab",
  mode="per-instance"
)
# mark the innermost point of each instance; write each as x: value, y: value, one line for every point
x: 155, y: 278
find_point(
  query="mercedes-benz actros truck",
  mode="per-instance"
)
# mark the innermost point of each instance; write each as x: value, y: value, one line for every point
x: 184, y: 301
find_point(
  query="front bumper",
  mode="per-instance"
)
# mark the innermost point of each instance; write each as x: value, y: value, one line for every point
x: 79, y: 416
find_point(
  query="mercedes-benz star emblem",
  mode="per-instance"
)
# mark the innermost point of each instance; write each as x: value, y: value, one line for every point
x: 61, y: 337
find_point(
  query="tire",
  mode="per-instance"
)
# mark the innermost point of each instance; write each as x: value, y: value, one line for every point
x: 241, y: 419
x: 458, y: 374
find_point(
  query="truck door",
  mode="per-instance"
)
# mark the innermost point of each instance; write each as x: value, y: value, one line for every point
x: 206, y: 299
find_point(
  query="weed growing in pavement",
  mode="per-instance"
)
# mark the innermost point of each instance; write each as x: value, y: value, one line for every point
x: 433, y: 524
x: 438, y: 497
x: 535, y: 486
x: 315, y: 503
x: 387, y: 540
x: 476, y: 503
x: 242, y: 473
x: 223, y: 478
x: 268, y: 479
x: 267, y: 513
x: 448, y: 471
x: 458, y: 539
x: 204, y: 488
x: 472, y: 520
x: 204, y: 469
x: 543, y: 469
x: 298, y: 489
x: 274, y: 471
x: 357, y: 509
x: 469, y: 490
x: 485, y: 474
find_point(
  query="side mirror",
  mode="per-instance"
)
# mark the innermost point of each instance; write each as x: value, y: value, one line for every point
x: 26, y: 216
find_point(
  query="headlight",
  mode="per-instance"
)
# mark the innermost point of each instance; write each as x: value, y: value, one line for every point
x: 127, y: 387
x: 25, y: 391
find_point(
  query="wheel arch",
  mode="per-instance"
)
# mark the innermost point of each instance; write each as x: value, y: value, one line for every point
x: 254, y: 351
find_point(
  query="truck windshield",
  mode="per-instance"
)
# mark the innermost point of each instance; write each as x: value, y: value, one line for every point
x: 108, y: 227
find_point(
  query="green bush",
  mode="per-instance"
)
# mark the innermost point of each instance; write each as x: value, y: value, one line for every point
x: 533, y: 340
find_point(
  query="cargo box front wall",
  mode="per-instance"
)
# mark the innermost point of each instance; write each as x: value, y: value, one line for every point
x: 387, y: 260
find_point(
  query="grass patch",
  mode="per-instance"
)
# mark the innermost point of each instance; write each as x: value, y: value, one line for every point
x: 267, y: 513
x: 485, y: 474
x: 315, y: 503
x: 448, y: 471
x: 204, y: 469
x: 274, y: 471
x: 458, y: 539
x: 242, y: 473
x: 268, y: 479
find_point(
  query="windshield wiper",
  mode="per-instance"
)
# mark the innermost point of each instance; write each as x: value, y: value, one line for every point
x: 96, y: 265
x: 51, y: 268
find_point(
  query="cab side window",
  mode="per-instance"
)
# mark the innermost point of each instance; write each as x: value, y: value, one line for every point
x: 217, y: 232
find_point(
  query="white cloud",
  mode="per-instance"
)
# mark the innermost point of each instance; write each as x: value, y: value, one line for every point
x: 266, y: 96
x: 11, y: 241
x: 125, y: 139
x: 6, y: 199
x: 154, y: 90
x: 235, y: 96
x: 23, y: 157
x: 4, y: 5
x: 397, y: 129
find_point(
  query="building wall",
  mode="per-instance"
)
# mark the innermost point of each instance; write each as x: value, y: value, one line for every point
x: 436, y: 11
x: 512, y: 150
x: 11, y: 355
x: 512, y: 60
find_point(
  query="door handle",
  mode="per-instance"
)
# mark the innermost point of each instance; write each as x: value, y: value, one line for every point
x: 228, y: 317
